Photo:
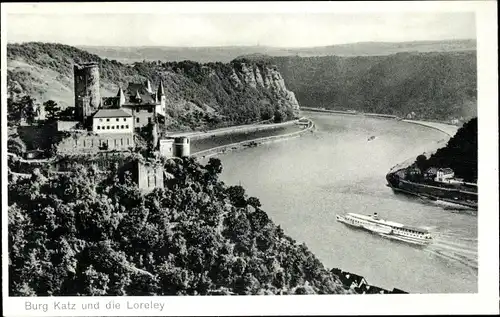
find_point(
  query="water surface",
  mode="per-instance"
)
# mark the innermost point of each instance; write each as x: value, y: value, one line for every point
x: 304, y: 182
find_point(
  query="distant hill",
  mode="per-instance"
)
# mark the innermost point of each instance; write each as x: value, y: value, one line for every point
x: 228, y: 53
x: 199, y: 96
x: 434, y: 85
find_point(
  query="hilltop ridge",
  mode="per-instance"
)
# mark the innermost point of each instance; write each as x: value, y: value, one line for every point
x: 199, y: 96
x: 227, y: 53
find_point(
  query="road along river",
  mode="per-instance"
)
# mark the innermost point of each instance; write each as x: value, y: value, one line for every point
x: 304, y: 182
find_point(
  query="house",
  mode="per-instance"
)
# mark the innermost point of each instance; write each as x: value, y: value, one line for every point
x: 398, y: 291
x: 352, y: 280
x: 166, y: 147
x: 413, y: 173
x: 112, y: 121
x: 141, y: 101
x: 369, y: 289
x: 430, y: 173
x: 444, y: 175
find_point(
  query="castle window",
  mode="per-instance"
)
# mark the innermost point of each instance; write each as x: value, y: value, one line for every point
x: 100, y: 120
x: 124, y: 119
x: 107, y: 120
x: 149, y: 120
x: 98, y: 127
x: 107, y: 127
x: 117, y: 119
x: 126, y: 126
x: 122, y: 126
x: 137, y: 120
x: 113, y: 127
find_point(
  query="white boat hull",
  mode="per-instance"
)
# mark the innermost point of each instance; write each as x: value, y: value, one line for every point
x: 385, y: 231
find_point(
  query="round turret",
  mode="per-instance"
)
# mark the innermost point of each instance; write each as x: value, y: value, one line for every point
x: 181, y: 147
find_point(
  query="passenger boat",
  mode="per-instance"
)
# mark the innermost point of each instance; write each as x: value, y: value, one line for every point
x: 388, y: 229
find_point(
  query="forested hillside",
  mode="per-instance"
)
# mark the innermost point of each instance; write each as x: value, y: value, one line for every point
x: 89, y: 234
x: 198, y: 95
x: 460, y: 153
x: 439, y: 86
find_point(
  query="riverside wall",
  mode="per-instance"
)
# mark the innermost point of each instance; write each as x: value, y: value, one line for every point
x: 449, y: 129
x: 250, y: 128
x: 253, y: 142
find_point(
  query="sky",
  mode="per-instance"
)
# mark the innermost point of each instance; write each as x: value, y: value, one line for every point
x: 216, y: 29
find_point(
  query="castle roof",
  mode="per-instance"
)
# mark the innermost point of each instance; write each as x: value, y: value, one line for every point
x: 111, y: 113
x: 161, y: 91
x: 432, y: 170
x: 137, y: 93
x: 110, y: 102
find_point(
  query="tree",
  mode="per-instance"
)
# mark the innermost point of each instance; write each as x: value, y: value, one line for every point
x: 254, y: 202
x: 421, y: 162
x: 237, y: 196
x: 52, y: 109
x: 214, y: 167
x: 30, y: 109
x: 279, y: 116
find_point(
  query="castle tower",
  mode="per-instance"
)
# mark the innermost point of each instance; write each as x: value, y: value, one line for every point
x: 160, y: 93
x: 181, y: 147
x: 148, y: 87
x: 121, y: 97
x: 87, y: 94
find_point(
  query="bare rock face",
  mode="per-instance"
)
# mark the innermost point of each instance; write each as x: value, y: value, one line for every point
x: 269, y: 78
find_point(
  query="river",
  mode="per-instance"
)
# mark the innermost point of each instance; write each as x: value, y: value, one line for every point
x: 304, y: 182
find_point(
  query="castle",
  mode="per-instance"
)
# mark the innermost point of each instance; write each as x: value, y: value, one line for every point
x: 138, y: 102
x: 114, y: 121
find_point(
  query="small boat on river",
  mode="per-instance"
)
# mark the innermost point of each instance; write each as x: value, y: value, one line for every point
x: 388, y: 229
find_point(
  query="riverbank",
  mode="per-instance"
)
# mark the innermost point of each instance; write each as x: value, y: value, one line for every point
x: 351, y: 112
x: 305, y: 182
x: 308, y: 127
x: 249, y: 128
x: 449, y: 129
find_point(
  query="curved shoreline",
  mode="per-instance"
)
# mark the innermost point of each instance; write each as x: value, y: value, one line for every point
x: 448, y: 129
x: 263, y: 140
x: 248, y: 128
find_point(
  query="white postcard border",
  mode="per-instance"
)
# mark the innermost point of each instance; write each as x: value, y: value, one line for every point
x: 486, y: 301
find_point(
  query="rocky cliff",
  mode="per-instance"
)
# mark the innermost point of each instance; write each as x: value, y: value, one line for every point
x: 199, y: 96
x: 430, y: 85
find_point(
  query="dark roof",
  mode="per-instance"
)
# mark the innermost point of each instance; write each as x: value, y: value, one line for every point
x: 431, y: 170
x: 135, y: 88
x: 111, y: 113
x: 108, y: 102
x: 353, y: 277
x: 375, y: 290
x: 446, y: 170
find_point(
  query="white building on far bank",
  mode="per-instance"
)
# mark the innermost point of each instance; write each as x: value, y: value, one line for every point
x: 444, y: 175
x: 112, y: 121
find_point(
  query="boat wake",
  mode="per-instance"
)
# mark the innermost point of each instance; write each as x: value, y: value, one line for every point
x: 455, y: 248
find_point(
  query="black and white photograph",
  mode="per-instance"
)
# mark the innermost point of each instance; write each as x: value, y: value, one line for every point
x: 249, y: 153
